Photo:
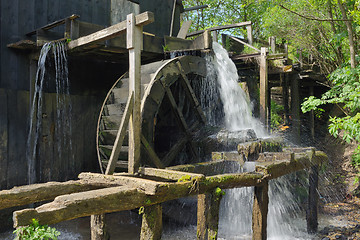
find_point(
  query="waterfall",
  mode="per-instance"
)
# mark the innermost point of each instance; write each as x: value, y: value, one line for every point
x: 63, y: 106
x: 236, y: 106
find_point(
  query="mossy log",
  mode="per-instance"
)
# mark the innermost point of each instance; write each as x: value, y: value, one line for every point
x: 151, y: 227
x: 169, y: 174
x: 27, y: 194
x: 123, y: 198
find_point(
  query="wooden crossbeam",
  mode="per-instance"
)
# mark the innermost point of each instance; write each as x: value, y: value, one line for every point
x: 54, y: 24
x: 110, y: 32
x: 244, y: 43
x: 120, y: 136
x: 148, y: 186
x: 174, y: 151
x: 19, y: 196
x: 170, y: 174
x: 235, y: 25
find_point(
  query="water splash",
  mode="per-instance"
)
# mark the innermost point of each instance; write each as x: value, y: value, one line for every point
x: 237, y: 108
x: 63, y: 107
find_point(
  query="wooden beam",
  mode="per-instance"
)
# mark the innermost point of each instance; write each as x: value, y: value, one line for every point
x: 53, y: 24
x: 184, y: 29
x: 152, y: 154
x: 170, y: 174
x: 244, y: 43
x: 110, y: 32
x: 134, y: 44
x: 98, y: 227
x: 151, y: 226
x: 208, y: 215
x: 19, y: 196
x: 123, y: 198
x: 220, y: 28
x: 195, y: 8
x: 148, y: 186
x: 264, y: 89
x: 260, y: 212
x: 120, y: 135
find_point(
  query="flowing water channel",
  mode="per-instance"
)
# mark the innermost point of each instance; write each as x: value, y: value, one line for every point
x: 284, y: 221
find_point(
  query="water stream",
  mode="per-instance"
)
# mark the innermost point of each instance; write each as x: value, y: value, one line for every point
x: 63, y: 107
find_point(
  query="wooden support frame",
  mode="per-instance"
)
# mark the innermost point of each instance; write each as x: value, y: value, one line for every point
x: 151, y: 226
x: 244, y: 43
x: 111, y: 32
x: 53, y: 24
x: 235, y: 25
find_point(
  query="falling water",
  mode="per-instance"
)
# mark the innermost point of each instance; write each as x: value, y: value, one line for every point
x: 236, y: 106
x: 63, y: 106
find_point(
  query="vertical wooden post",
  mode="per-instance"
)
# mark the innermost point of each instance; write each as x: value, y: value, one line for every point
x: 151, y: 227
x: 208, y: 215
x: 300, y: 57
x: 260, y: 212
x: 215, y: 36
x: 264, y: 91
x: 223, y: 40
x: 272, y: 44
x: 312, y: 116
x: 249, y: 34
x: 98, y: 227
x: 286, y: 51
x: 134, y: 44
x: 285, y: 96
x: 312, y: 208
x: 295, y: 109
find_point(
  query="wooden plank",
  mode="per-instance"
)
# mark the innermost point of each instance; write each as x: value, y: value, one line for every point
x: 110, y: 32
x: 203, y: 41
x: 184, y: 29
x: 244, y: 43
x: 151, y: 226
x: 120, y: 135
x: 174, y: 43
x: 152, y: 154
x: 191, y: 94
x: 170, y: 174
x: 134, y: 42
x: 27, y: 194
x: 195, y: 8
x: 148, y: 186
x: 220, y: 28
x: 53, y: 24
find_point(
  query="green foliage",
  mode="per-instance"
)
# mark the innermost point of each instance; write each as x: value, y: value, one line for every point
x: 36, y: 232
x: 276, y: 112
x: 345, y: 92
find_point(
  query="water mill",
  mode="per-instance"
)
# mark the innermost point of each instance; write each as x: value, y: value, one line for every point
x: 166, y: 119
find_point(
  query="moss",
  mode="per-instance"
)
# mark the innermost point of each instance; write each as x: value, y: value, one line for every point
x: 141, y: 210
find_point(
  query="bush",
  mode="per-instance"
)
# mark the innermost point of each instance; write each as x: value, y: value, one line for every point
x: 36, y: 232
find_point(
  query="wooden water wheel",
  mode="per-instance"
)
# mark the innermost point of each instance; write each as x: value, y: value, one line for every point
x: 169, y: 108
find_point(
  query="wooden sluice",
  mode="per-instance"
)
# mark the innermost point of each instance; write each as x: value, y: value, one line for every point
x: 139, y: 106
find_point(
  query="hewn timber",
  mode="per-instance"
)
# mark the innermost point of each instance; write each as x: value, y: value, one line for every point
x: 134, y: 33
x: 208, y: 215
x: 220, y: 28
x: 170, y: 174
x: 260, y: 212
x: 124, y: 198
x: 148, y: 186
x: 184, y: 29
x: 27, y: 194
x: 264, y: 91
x: 278, y: 168
x: 98, y: 227
x: 110, y: 32
x: 151, y: 226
